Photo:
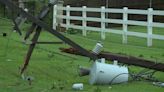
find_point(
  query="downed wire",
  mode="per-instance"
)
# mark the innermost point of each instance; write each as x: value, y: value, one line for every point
x: 41, y: 48
x: 136, y: 77
x: 52, y: 52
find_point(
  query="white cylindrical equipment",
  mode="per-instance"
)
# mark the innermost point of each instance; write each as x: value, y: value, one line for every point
x: 102, y: 73
x: 78, y: 86
x: 97, y: 48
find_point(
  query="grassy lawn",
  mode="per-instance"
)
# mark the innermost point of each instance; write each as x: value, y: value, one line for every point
x: 57, y: 72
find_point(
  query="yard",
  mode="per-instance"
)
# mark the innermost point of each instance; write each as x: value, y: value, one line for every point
x: 56, y: 72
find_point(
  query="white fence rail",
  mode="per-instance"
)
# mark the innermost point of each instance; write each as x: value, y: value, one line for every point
x: 103, y: 20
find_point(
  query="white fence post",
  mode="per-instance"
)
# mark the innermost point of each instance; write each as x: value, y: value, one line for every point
x: 149, y: 27
x: 84, y: 21
x: 125, y: 26
x: 54, y: 17
x: 68, y: 17
x: 103, y: 22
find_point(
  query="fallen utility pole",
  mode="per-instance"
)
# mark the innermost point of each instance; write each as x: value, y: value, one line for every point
x: 38, y: 24
x: 130, y: 60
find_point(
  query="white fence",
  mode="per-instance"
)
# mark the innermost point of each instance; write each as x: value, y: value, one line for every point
x: 103, y: 20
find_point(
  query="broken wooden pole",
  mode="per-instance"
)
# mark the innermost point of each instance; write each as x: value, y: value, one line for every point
x: 130, y: 60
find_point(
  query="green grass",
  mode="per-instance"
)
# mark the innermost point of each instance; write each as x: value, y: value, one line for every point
x: 57, y: 73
